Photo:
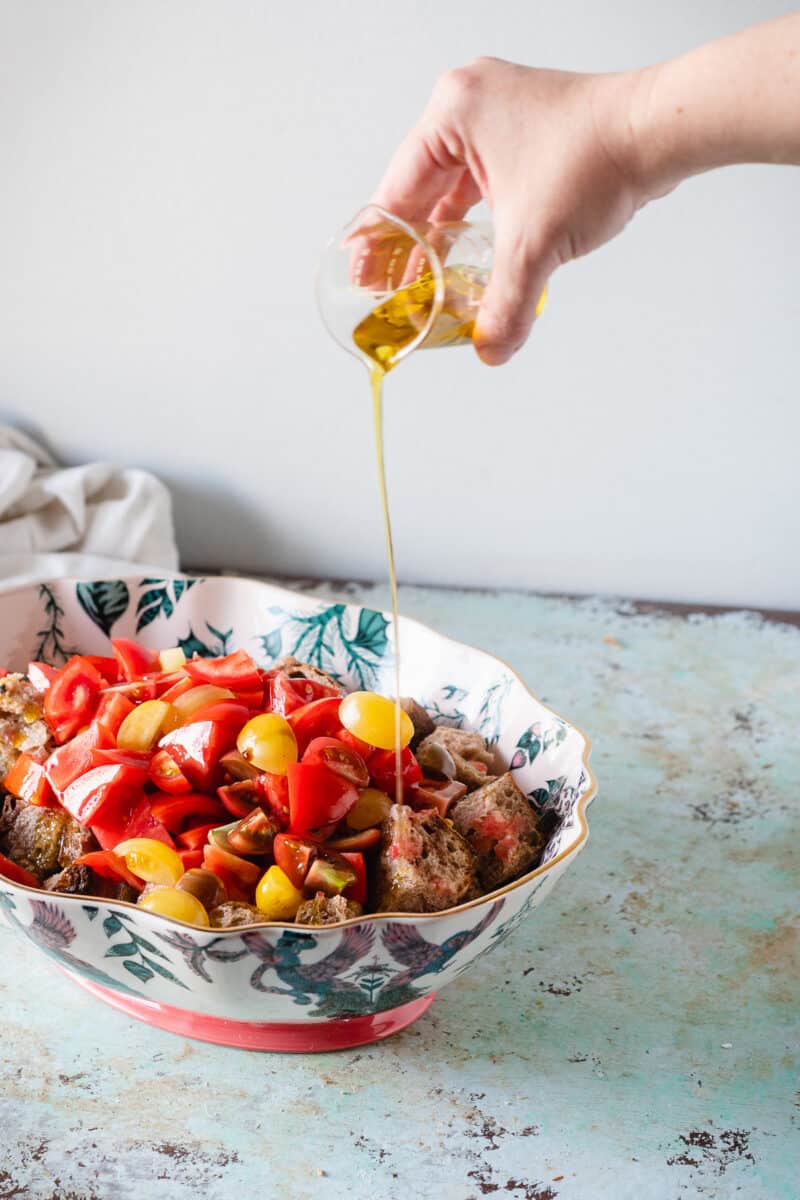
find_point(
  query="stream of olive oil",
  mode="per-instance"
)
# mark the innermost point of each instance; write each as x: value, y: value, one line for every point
x: 382, y: 337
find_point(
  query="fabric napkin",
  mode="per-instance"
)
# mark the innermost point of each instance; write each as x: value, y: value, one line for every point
x: 92, y: 521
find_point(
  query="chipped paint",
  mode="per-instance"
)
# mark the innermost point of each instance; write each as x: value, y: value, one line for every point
x: 637, y: 1037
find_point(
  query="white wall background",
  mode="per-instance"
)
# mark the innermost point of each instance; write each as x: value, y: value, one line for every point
x: 168, y: 173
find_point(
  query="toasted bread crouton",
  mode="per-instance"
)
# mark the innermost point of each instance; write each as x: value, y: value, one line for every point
x: 424, y: 865
x: 471, y: 756
x: 502, y: 829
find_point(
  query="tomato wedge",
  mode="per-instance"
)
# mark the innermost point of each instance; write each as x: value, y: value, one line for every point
x: 197, y: 749
x: 363, y: 839
x: 173, y: 811
x: 128, y: 816
x: 320, y: 718
x: 236, y: 671
x: 238, y: 875
x: 383, y: 770
x: 318, y: 798
x: 109, y: 865
x: 338, y: 758
x: 229, y: 712
x: 191, y: 859
x: 196, y: 837
x: 286, y: 695
x: 72, y: 698
x: 27, y: 780
x: 355, y: 743
x: 239, y: 798
x: 167, y: 775
x: 134, y: 660
x: 108, y: 667
x: 294, y: 856
x: 273, y: 793
x: 356, y: 891
x: 112, y: 711
x: 74, y: 758
x: 99, y: 789
x: 10, y: 870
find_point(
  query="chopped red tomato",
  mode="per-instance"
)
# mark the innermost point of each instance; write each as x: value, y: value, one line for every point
x: 100, y: 788
x: 128, y: 816
x: 109, y: 865
x: 339, y: 758
x: 273, y: 793
x: 108, y: 667
x: 72, y: 697
x: 197, y: 749
x: 318, y: 798
x: 128, y: 758
x: 191, y: 859
x: 239, y: 876
x: 40, y: 674
x: 383, y: 771
x: 10, y: 870
x: 229, y: 712
x: 236, y: 671
x: 286, y: 695
x: 356, y: 891
x: 167, y: 775
x: 27, y: 780
x: 74, y: 758
x: 320, y: 718
x: 196, y: 837
x: 355, y: 743
x: 134, y: 660
x: 182, y: 685
x: 172, y: 812
x: 112, y: 711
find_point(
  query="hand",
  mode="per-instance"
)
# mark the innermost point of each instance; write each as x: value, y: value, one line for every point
x: 550, y: 152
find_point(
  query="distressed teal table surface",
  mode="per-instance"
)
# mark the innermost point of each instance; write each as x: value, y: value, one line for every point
x: 637, y: 1038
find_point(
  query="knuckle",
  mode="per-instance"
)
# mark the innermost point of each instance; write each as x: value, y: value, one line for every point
x: 457, y: 86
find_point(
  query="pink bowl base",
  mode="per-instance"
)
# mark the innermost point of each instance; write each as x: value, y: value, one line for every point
x: 291, y: 1037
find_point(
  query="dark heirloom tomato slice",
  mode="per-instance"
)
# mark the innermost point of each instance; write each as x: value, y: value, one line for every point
x: 364, y: 839
x: 110, y: 866
x: 318, y: 798
x: 197, y: 749
x: 72, y: 698
x: 320, y: 718
x: 239, y: 798
x: 27, y: 780
x: 294, y: 856
x: 134, y: 660
x: 333, y: 753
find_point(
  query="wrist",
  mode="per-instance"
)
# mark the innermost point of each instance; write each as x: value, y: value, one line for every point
x: 658, y: 158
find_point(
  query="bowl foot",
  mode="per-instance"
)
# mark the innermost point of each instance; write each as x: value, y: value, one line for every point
x: 290, y: 1037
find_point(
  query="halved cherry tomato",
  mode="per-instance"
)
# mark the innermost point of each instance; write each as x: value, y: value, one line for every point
x: 318, y: 798
x: 239, y: 798
x: 142, y: 728
x: 236, y: 671
x: 101, y: 788
x: 112, y: 710
x: 339, y: 758
x: 40, y: 674
x: 196, y: 837
x: 128, y: 817
x: 287, y: 695
x: 383, y: 771
x: 197, y: 748
x: 74, y: 758
x: 320, y: 718
x: 108, y: 667
x: 294, y: 856
x: 191, y: 859
x: 134, y: 660
x: 167, y: 775
x: 230, y: 712
x: 17, y: 874
x: 356, y: 891
x: 273, y: 792
x: 27, y: 780
x: 355, y: 743
x: 174, y: 811
x: 72, y: 698
x: 238, y: 875
x: 198, y: 696
x: 254, y: 834
x: 110, y: 866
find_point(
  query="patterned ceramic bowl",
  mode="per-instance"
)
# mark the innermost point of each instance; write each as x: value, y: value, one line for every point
x: 279, y: 986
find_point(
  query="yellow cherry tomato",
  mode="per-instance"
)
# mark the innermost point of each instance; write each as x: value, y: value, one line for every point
x: 199, y: 697
x: 171, y: 660
x: 142, y: 728
x: 151, y: 860
x: 370, y: 809
x: 372, y: 718
x: 277, y: 897
x: 171, y: 902
x: 268, y: 742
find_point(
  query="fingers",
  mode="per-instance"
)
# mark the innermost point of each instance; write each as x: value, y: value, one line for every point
x: 509, y: 307
x: 421, y: 173
x: 457, y: 203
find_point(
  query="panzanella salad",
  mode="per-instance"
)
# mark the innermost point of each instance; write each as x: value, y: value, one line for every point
x: 221, y: 794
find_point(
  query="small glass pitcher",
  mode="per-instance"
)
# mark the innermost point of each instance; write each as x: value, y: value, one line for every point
x: 386, y: 287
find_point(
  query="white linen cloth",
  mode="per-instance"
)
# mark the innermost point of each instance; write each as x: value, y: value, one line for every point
x: 93, y: 521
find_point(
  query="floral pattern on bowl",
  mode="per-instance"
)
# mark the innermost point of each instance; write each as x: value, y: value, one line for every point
x: 280, y: 972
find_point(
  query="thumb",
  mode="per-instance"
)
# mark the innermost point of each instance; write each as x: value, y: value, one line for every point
x: 511, y: 301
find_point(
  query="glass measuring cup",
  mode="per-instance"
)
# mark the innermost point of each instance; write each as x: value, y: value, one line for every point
x: 386, y: 287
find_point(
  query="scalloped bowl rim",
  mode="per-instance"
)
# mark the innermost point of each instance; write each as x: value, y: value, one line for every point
x: 584, y: 800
